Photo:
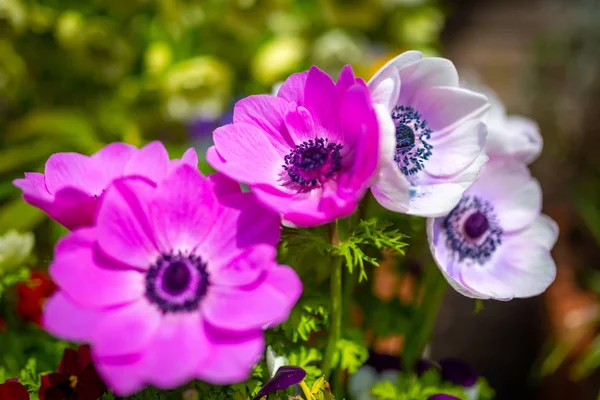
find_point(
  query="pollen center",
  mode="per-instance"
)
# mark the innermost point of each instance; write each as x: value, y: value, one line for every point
x: 473, y: 230
x: 476, y: 225
x: 312, y: 163
x: 176, y: 278
x: 412, y: 136
x: 177, y: 282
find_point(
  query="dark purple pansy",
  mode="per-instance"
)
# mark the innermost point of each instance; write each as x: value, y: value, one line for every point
x: 384, y: 362
x: 285, y: 377
x: 12, y: 389
x: 443, y: 396
x: 458, y: 372
x: 75, y: 379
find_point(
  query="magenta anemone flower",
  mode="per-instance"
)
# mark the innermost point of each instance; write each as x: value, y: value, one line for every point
x: 174, y: 282
x: 307, y: 153
x: 435, y: 151
x: 72, y: 184
x: 496, y: 243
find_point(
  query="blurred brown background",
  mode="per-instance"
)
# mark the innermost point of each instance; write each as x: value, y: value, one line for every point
x: 542, y: 57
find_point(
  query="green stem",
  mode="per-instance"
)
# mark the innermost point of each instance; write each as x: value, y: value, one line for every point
x: 434, y: 288
x: 336, y: 310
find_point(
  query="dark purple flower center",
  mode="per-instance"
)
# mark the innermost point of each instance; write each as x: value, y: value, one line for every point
x: 476, y: 225
x: 177, y: 282
x: 312, y: 163
x: 473, y: 230
x: 177, y: 278
x: 412, y: 135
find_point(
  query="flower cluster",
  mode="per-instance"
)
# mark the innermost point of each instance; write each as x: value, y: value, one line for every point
x: 170, y: 275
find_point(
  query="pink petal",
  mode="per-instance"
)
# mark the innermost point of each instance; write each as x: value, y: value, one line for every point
x: 34, y: 189
x: 457, y: 150
x: 266, y: 113
x: 246, y: 268
x: 73, y: 208
x: 173, y: 355
x: 267, y: 303
x: 234, y: 356
x: 121, y: 374
x: 223, y: 185
x: 320, y: 98
x: 151, y: 161
x: 84, y: 274
x: 113, y: 159
x: 64, y: 318
x: 126, y: 330
x: 299, y: 124
x: 242, y: 223
x: 446, y: 108
x: 182, y: 209
x: 190, y: 157
x: 123, y: 230
x: 73, y: 170
x: 249, y: 156
x: 360, y: 132
x: 293, y: 88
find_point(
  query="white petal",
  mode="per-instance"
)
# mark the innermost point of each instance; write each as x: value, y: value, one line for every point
x: 430, y: 71
x: 456, y: 151
x: 515, y: 195
x: 446, y: 108
x: 518, y: 138
x: 444, y: 258
x: 391, y: 189
x: 434, y: 200
x: 387, y: 133
x: 543, y: 231
x: 391, y: 67
x: 386, y: 92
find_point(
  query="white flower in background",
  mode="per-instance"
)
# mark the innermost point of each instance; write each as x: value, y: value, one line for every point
x: 15, y: 248
x: 274, y: 362
x: 510, y: 137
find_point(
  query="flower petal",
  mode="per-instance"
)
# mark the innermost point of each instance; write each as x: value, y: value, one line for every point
x: 86, y: 275
x: 182, y: 210
x: 391, y: 70
x: 64, y: 318
x: 293, y: 88
x: 515, y: 138
x: 126, y: 330
x: 242, y: 223
x: 122, y: 375
x: 113, y: 159
x: 299, y: 124
x: 320, y: 97
x: 285, y: 377
x: 454, y: 152
x: 245, y: 268
x: 73, y: 170
x: 248, y: 154
x: 266, y: 113
x: 180, y: 338
x: 123, y: 229
x: 446, y: 108
x: 516, y: 208
x: 265, y: 303
x: 234, y: 356
x: 151, y: 161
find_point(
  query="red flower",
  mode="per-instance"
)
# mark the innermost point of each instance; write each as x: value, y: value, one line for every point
x: 33, y: 294
x: 13, y: 390
x: 76, y: 378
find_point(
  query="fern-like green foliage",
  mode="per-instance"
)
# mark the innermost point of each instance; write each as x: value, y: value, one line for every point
x: 354, y: 247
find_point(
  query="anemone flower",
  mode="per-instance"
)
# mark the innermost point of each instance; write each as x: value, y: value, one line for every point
x: 435, y: 151
x: 495, y: 244
x: 175, y: 281
x: 308, y: 153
